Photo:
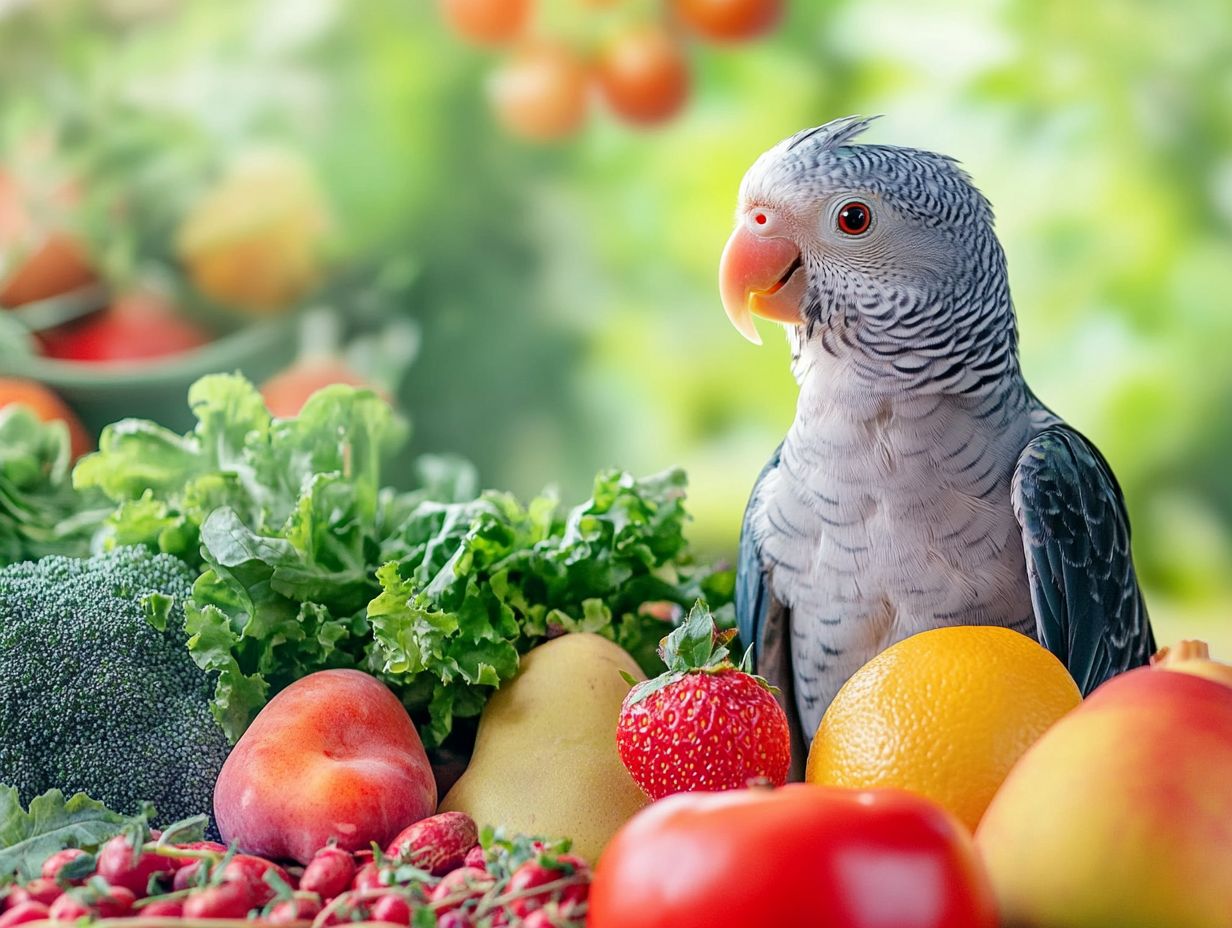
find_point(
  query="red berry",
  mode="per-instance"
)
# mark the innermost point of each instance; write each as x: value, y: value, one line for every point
x: 329, y: 873
x: 293, y: 910
x: 461, y: 885
x: 476, y: 858
x: 227, y: 900
x: 68, y: 908
x: 706, y: 731
x: 249, y: 870
x: 53, y: 864
x: 163, y: 908
x: 368, y: 877
x: 533, y: 874
x: 116, y: 865
x: 22, y: 912
x: 116, y: 903
x: 437, y: 844
x: 391, y: 908
x: 42, y: 890
x: 452, y: 919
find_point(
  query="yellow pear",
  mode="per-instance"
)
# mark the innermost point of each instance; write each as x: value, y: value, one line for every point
x: 545, y: 760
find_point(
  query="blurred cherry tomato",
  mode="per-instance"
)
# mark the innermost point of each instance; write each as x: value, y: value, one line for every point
x: 728, y: 20
x: 644, y: 75
x: 540, y: 92
x: 138, y: 326
x: 489, y: 22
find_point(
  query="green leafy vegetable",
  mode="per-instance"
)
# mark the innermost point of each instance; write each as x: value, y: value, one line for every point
x: 40, y: 512
x: 471, y: 585
x: 307, y: 563
x: 52, y: 823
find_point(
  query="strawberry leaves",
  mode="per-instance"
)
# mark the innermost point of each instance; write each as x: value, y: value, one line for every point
x: 697, y: 645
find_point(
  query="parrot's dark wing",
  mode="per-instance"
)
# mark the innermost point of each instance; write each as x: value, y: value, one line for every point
x: 753, y: 597
x: 764, y: 623
x: 1088, y: 606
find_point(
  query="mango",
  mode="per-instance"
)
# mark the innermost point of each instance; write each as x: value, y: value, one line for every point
x: 1120, y: 814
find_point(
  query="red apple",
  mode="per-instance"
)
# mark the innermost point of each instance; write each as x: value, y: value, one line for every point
x: 334, y: 756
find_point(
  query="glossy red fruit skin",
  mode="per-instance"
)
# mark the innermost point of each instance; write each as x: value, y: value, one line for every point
x: 23, y: 912
x: 533, y: 874
x: 759, y: 858
x: 476, y: 858
x: 367, y: 877
x: 52, y: 865
x: 41, y: 890
x: 227, y: 900
x: 115, y: 865
x: 333, y: 756
x: 68, y: 908
x: 292, y: 910
x: 676, y: 739
x: 394, y: 909
x: 169, y: 908
x: 117, y: 903
x: 250, y: 871
x: 437, y: 844
x: 329, y: 873
x: 460, y: 885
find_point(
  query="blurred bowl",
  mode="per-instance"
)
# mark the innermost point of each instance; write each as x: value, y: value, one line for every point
x: 158, y: 389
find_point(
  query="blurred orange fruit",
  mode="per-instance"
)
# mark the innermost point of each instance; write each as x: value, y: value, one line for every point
x: 644, y: 75
x: 728, y: 20
x: 254, y: 241
x: 48, y: 407
x: 38, y: 264
x: 286, y: 392
x: 489, y: 22
x: 944, y: 714
x: 540, y: 93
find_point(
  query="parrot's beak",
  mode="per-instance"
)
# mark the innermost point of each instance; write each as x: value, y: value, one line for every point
x: 761, y: 276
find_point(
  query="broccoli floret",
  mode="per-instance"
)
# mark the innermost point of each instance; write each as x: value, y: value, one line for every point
x: 93, y: 697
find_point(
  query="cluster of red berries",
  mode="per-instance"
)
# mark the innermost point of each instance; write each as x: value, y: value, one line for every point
x: 435, y: 873
x: 542, y: 90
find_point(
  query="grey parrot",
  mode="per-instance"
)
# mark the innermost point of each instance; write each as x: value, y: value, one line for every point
x: 922, y: 483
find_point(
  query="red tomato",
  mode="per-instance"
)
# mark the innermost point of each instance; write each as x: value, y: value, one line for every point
x: 644, y: 75
x: 768, y: 858
x: 135, y: 327
x: 48, y: 407
x: 488, y: 22
x: 540, y: 93
x: 728, y: 20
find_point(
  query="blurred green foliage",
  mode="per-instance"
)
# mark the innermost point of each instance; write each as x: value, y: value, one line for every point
x: 566, y: 294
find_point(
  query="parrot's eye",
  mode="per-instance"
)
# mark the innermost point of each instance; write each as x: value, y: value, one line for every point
x: 854, y: 218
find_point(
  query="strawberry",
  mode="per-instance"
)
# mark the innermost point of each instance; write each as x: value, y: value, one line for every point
x: 706, y: 724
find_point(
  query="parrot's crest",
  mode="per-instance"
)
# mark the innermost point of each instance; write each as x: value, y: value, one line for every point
x: 834, y: 133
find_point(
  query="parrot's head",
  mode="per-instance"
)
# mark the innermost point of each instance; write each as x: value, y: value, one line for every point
x: 883, y: 251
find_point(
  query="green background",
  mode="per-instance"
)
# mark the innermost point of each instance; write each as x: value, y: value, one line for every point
x: 566, y: 294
